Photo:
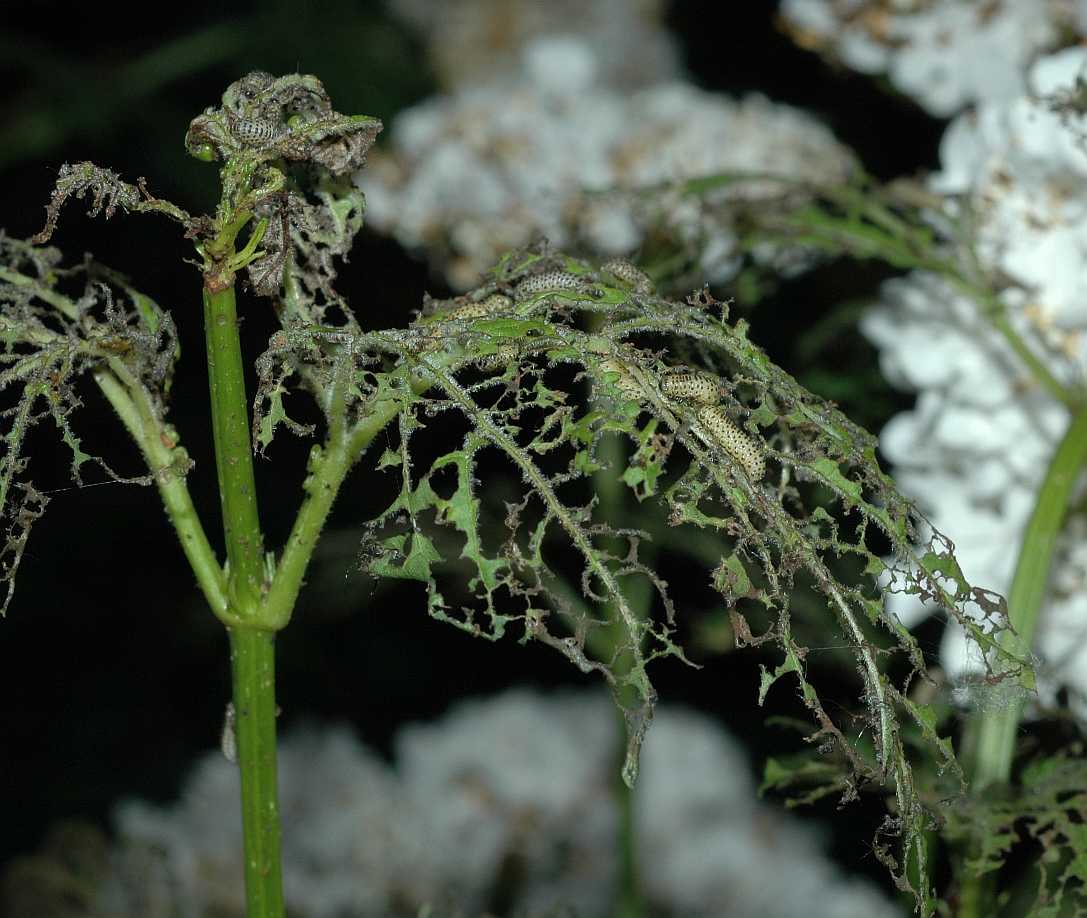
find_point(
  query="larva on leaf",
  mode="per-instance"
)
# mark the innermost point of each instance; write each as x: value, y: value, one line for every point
x: 634, y: 277
x: 549, y: 280
x: 625, y: 383
x: 254, y: 133
x: 495, y: 303
x: 692, y: 387
x: 503, y: 357
x: 726, y: 434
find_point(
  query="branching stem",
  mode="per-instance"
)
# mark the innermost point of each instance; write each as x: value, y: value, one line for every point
x: 133, y: 407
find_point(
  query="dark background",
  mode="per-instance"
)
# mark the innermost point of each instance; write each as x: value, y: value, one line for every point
x: 113, y: 677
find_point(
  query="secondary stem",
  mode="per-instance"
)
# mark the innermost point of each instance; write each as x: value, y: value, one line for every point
x: 991, y: 736
x: 130, y: 402
x: 327, y: 472
x: 995, y: 731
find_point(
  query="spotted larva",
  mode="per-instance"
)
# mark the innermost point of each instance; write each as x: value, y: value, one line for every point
x: 254, y: 132
x: 430, y: 336
x: 504, y: 356
x: 625, y: 381
x: 549, y: 280
x: 691, y: 387
x: 630, y: 275
x: 723, y: 430
x: 495, y: 303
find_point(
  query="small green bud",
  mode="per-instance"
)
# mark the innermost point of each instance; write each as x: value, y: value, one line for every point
x: 204, y: 152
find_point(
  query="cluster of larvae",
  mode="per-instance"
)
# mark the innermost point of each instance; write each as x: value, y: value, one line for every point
x: 544, y: 282
x: 497, y: 304
x: 696, y: 389
x: 714, y: 424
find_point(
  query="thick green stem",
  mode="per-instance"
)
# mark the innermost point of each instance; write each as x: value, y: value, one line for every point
x: 991, y: 736
x: 252, y: 662
x: 252, y: 643
x: 995, y: 731
x: 233, y: 452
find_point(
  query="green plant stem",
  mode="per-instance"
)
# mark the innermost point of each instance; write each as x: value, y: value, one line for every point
x: 871, y: 229
x: 63, y: 304
x: 252, y: 643
x: 995, y: 731
x: 252, y: 663
x: 629, y: 902
x: 991, y: 736
x: 166, y: 462
x: 995, y: 311
x: 233, y: 452
x: 611, y: 489
x: 327, y: 472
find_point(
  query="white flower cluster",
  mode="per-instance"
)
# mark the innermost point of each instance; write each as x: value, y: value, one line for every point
x: 975, y: 448
x: 558, y: 153
x: 945, y: 54
x: 505, y: 798
x: 481, y: 40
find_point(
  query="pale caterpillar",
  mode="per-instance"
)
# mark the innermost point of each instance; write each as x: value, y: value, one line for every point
x: 693, y: 387
x: 632, y: 276
x: 495, y: 303
x: 254, y: 133
x: 625, y: 383
x: 228, y: 737
x: 726, y: 434
x: 504, y: 356
x: 250, y: 118
x: 718, y: 428
x: 433, y: 338
x: 549, y: 280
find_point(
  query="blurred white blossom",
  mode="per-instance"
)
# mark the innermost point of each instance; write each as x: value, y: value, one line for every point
x: 556, y: 153
x: 510, y: 796
x: 975, y: 448
x: 482, y: 40
x: 945, y: 54
x: 344, y: 824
